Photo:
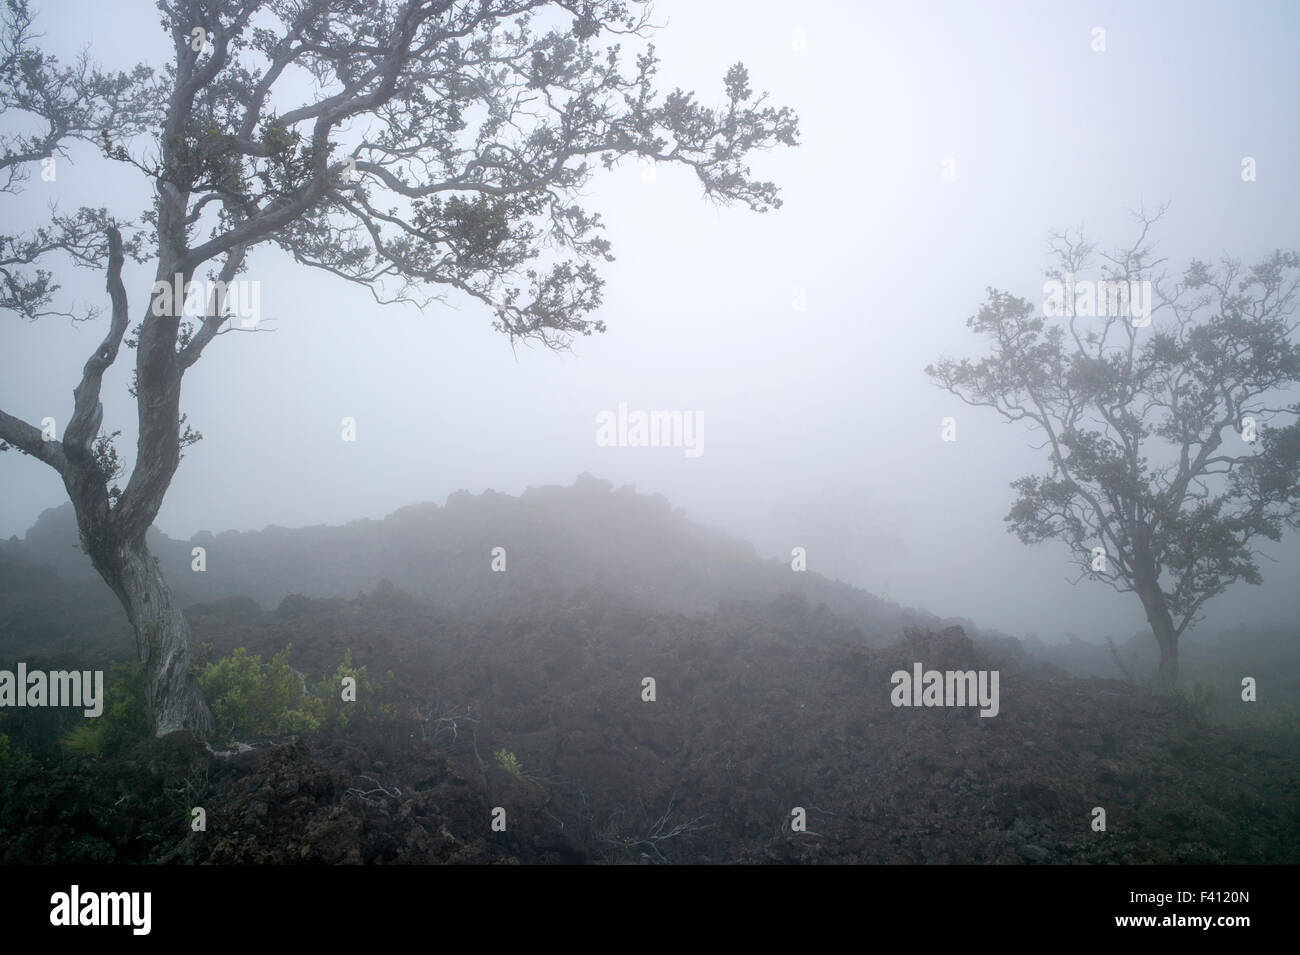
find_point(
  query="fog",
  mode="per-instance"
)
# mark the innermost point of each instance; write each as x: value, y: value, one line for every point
x: 797, y: 339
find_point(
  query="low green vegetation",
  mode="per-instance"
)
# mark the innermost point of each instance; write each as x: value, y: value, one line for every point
x: 252, y: 698
x: 1201, y: 701
x: 84, y: 740
x: 1284, y: 720
x: 124, y: 715
x: 249, y: 698
x: 510, y: 763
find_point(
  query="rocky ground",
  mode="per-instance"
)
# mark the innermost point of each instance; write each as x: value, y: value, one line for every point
x: 759, y: 709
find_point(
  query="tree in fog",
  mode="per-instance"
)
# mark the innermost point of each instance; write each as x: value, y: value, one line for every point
x: 413, y: 148
x: 1171, y: 443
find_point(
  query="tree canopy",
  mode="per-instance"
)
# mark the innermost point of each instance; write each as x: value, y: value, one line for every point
x: 1171, y: 445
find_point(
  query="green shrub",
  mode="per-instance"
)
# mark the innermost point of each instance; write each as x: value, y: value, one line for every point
x: 253, y: 698
x: 1282, y: 720
x: 340, y: 713
x: 6, y: 753
x: 1200, y: 703
x: 232, y: 687
x: 125, y: 710
x: 510, y: 763
x: 124, y: 715
x: 84, y: 740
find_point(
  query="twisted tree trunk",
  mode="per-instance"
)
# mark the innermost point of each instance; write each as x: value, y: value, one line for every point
x: 1162, y: 625
x: 162, y: 634
x: 162, y: 642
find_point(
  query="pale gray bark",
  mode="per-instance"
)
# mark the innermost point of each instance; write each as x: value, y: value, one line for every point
x: 162, y: 641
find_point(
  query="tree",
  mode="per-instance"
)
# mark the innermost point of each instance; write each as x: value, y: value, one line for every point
x: 1167, y: 437
x: 471, y: 127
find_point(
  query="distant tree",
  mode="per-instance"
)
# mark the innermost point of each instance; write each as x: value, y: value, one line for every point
x: 1171, y: 445
x: 472, y: 127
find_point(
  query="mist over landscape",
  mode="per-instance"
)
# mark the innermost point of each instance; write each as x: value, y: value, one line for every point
x: 771, y: 452
x: 820, y: 429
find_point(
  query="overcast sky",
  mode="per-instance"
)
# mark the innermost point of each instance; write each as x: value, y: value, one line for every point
x: 820, y: 428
